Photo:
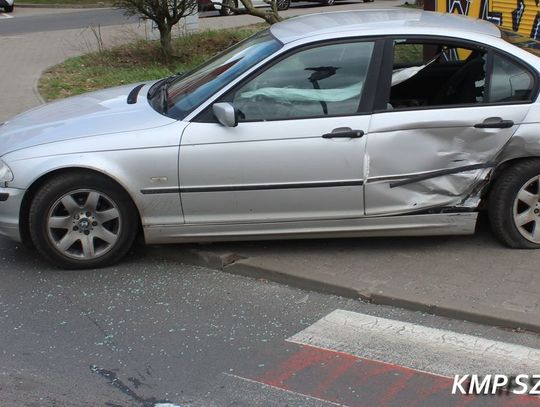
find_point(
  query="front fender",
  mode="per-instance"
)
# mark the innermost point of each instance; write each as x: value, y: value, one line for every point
x: 133, y: 170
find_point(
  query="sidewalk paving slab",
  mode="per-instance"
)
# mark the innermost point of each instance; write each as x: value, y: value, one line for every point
x: 472, y: 278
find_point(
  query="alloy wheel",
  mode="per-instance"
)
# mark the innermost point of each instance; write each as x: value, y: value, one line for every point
x: 84, y: 224
x: 527, y: 210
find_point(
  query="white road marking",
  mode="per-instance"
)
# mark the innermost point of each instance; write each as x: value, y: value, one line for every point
x: 4, y: 15
x: 418, y: 347
x: 326, y: 402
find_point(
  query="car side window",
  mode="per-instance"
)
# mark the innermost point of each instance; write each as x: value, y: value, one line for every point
x: 510, y: 82
x: 436, y: 74
x: 327, y: 80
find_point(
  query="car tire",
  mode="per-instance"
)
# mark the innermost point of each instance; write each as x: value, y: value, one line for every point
x: 514, y: 206
x: 369, y: 1
x: 82, y: 220
x: 9, y: 9
x: 225, y: 11
x: 328, y: 2
x: 283, y: 4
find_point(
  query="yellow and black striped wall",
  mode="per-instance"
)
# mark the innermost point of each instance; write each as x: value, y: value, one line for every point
x: 522, y: 16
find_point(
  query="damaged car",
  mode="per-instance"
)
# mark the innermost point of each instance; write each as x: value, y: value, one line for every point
x: 345, y: 124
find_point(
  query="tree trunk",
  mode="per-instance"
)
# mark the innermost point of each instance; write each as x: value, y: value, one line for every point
x: 165, y: 38
x: 270, y: 16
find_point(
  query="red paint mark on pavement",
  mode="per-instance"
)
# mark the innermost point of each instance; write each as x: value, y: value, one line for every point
x: 338, y: 370
x: 356, y: 382
x: 297, y: 363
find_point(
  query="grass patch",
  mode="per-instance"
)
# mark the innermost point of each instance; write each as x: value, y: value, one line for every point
x: 135, y: 62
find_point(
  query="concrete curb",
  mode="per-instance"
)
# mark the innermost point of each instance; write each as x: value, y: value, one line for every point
x: 233, y: 263
x: 35, y: 88
x: 481, y: 315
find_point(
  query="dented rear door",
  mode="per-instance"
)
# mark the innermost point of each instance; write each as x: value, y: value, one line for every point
x: 433, y: 158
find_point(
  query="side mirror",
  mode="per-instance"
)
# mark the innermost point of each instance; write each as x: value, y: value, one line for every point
x: 226, y: 114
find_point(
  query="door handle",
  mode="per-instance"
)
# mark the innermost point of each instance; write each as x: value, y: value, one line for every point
x: 494, y: 123
x: 344, y: 132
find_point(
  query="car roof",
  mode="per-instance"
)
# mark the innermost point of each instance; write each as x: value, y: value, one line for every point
x: 377, y: 22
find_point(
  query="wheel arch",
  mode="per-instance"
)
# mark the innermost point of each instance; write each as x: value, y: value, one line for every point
x: 500, y: 169
x: 24, y: 226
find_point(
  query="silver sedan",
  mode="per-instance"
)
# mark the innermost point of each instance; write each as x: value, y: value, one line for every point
x: 357, y: 123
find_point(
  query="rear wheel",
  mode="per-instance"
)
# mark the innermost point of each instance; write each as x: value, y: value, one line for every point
x: 9, y: 9
x: 82, y: 221
x: 514, y: 206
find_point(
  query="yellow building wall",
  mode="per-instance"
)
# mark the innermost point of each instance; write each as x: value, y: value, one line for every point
x: 522, y: 16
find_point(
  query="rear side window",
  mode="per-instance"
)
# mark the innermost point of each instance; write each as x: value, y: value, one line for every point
x: 510, y: 82
x: 436, y: 74
x: 443, y: 74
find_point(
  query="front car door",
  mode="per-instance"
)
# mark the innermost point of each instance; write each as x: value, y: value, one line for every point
x: 297, y: 152
x: 447, y: 108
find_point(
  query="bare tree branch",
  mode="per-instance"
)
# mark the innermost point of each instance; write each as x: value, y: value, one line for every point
x: 164, y: 13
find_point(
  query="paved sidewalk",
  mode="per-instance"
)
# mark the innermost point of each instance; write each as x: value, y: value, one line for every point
x: 465, y: 277
x: 25, y: 57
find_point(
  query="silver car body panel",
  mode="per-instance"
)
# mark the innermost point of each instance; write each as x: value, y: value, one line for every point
x: 281, y: 171
x: 9, y: 213
x: 526, y: 140
x: 368, y: 22
x: 144, y: 156
x: 165, y: 165
x: 93, y: 114
x: 408, y: 225
x: 450, y: 145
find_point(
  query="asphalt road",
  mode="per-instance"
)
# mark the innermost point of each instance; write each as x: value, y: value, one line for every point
x: 153, y: 329
x: 25, y: 21
x: 28, y: 22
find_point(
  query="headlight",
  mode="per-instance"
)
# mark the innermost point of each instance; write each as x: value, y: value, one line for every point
x: 5, y: 173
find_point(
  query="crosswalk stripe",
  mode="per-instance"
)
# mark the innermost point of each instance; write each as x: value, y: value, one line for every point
x: 431, y: 350
x: 259, y: 383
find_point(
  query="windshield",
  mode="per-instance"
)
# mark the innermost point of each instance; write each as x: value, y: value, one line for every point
x: 179, y: 96
x: 526, y: 43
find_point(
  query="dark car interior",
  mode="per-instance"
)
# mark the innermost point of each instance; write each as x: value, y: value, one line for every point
x: 447, y: 75
x: 443, y: 75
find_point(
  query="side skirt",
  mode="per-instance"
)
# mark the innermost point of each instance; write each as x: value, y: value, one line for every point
x: 404, y: 225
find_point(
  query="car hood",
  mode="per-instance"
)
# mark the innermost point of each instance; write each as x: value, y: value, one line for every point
x: 91, y: 114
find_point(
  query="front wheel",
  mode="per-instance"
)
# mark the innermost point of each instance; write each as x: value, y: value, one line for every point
x: 514, y: 206
x: 82, y: 220
x: 9, y: 9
